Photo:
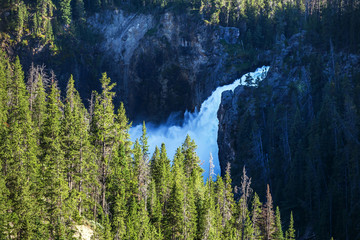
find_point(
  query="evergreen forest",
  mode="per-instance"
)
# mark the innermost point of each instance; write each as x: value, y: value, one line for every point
x: 69, y: 168
x: 64, y: 167
x: 61, y: 24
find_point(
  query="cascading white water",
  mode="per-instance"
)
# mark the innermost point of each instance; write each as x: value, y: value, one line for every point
x: 202, y: 126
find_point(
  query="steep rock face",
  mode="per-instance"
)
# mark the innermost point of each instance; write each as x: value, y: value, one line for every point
x: 289, y: 68
x: 162, y: 65
x: 296, y: 132
x: 228, y: 115
x: 236, y: 106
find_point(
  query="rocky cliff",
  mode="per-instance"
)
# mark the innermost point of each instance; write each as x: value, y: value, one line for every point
x: 165, y: 64
x: 298, y: 133
x: 291, y: 66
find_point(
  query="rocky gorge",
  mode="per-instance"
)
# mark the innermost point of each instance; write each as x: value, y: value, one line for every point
x: 163, y: 65
x: 301, y: 118
x: 296, y: 131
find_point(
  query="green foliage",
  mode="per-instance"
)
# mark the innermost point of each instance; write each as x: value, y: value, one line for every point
x: 21, y: 19
x: 62, y: 167
x: 144, y: 143
x: 256, y: 217
x: 55, y: 187
x: 104, y: 132
x: 290, y: 233
x: 18, y: 158
x: 312, y: 136
x: 65, y: 11
x: 78, y: 152
x: 278, y: 234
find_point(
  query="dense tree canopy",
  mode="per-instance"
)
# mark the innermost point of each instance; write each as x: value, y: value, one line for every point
x: 262, y: 22
x: 62, y: 166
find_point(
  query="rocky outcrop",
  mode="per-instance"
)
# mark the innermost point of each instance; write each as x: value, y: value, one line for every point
x: 294, y: 133
x: 163, y: 65
x: 279, y: 77
x: 122, y: 32
x: 228, y: 114
x: 289, y: 68
x: 83, y: 232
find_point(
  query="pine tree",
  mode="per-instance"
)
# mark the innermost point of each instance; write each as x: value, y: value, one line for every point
x: 248, y: 230
x: 137, y: 156
x: 138, y: 223
x: 290, y: 233
x: 104, y: 133
x: 123, y: 126
x: 81, y: 170
x: 5, y: 216
x: 268, y: 216
x: 209, y: 224
x: 119, y: 215
x: 18, y: 158
x: 164, y: 183
x: 155, y: 207
x: 256, y: 217
x: 160, y: 172
x: 175, y: 217
x: 37, y: 97
x: 225, y: 201
x: 243, y: 204
x: 4, y: 76
x: 194, y: 181
x: 278, y: 234
x: 119, y: 184
x: 21, y: 19
x: 54, y: 185
x: 65, y: 11
x: 144, y: 143
x: 191, y: 160
x: 154, y: 164
x: 142, y: 166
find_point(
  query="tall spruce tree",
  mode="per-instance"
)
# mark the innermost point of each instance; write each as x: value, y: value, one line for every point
x: 210, y: 226
x: 160, y: 172
x: 5, y: 216
x: 278, y: 234
x: 226, y: 202
x: 104, y: 133
x: 243, y: 203
x: 18, y: 157
x: 138, y: 222
x: 54, y: 185
x: 4, y: 76
x: 65, y: 11
x: 268, y: 216
x: 163, y: 182
x: 290, y: 233
x: 175, y: 218
x: 37, y: 96
x: 256, y: 218
x: 155, y: 207
x: 4, y: 192
x: 119, y: 184
x: 81, y: 170
x: 142, y: 166
x: 194, y: 179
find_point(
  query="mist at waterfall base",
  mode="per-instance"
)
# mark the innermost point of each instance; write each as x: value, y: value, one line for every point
x: 201, y: 126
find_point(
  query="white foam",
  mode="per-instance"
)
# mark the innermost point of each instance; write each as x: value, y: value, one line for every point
x: 202, y: 126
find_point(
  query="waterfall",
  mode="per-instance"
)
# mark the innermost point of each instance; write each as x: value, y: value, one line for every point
x: 202, y: 126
